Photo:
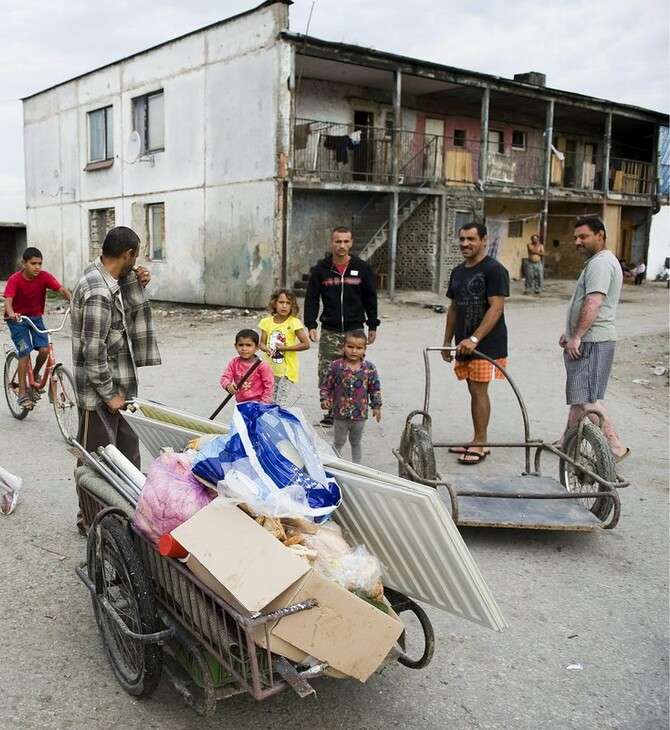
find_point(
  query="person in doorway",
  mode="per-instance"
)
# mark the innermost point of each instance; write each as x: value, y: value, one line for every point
x: 476, y: 319
x: 589, y: 339
x: 534, y: 266
x: 350, y: 388
x: 25, y: 296
x: 112, y: 335
x: 345, y: 287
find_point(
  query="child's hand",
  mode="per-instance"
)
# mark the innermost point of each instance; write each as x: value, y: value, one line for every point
x: 377, y: 413
x: 326, y: 404
x: 232, y: 389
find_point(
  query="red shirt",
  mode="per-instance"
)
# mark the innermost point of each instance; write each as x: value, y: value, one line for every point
x: 29, y: 295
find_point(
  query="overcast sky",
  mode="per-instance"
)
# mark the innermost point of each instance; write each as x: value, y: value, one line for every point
x: 611, y: 49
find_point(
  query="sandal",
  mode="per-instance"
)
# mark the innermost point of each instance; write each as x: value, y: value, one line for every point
x: 8, y: 502
x: 26, y: 403
x: 474, y: 458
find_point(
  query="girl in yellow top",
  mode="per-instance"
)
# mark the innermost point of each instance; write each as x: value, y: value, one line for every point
x: 283, y: 336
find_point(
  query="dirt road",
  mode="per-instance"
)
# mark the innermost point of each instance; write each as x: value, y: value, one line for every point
x: 587, y: 643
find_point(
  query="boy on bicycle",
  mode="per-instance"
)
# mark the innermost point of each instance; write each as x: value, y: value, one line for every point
x: 25, y: 296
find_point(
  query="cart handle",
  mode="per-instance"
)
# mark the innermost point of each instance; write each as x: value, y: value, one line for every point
x: 513, y: 385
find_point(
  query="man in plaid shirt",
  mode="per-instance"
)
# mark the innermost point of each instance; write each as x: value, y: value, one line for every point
x: 112, y: 335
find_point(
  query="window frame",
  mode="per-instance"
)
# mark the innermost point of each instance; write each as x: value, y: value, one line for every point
x: 142, y: 121
x: 107, y: 136
x: 151, y: 231
x: 524, y: 143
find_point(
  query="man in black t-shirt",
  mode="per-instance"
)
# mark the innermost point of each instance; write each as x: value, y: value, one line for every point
x: 477, y: 289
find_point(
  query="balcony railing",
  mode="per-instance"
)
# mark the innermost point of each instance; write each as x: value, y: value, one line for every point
x: 332, y: 152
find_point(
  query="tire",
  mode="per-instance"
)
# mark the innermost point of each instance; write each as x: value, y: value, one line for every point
x: 62, y: 394
x: 119, y: 576
x: 416, y: 448
x: 12, y: 387
x: 595, y: 454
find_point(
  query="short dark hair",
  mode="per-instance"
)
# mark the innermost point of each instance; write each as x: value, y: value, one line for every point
x: 355, y: 335
x: 118, y: 240
x: 341, y: 229
x: 593, y: 223
x: 31, y: 253
x: 481, y: 228
x: 247, y: 334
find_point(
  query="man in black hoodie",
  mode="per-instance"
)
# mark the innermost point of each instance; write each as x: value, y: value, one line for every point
x: 345, y: 286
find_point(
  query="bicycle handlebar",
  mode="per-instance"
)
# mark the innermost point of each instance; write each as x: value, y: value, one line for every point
x: 46, y: 331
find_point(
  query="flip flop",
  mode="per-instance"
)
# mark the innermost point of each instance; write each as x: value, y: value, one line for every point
x: 472, y: 461
x: 26, y: 403
x: 623, y: 456
x: 458, y: 450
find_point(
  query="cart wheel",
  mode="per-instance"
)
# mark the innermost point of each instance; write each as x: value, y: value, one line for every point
x: 120, y: 579
x: 400, y: 603
x: 595, y: 454
x: 64, y: 402
x: 416, y: 448
x: 12, y: 386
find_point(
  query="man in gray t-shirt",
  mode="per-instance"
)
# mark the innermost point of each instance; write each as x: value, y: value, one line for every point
x: 590, y: 334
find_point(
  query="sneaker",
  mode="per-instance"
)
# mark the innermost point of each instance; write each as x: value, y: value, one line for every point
x: 326, y: 422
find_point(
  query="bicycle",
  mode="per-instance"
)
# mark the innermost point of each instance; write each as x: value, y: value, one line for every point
x: 56, y: 378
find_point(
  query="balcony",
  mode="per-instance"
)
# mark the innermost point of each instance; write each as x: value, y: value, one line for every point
x: 330, y: 152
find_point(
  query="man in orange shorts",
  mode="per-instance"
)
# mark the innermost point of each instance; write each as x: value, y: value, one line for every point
x: 476, y: 319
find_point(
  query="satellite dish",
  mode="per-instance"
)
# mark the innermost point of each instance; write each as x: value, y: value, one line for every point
x: 133, y: 147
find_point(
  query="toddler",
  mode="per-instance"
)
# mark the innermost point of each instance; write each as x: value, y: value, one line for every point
x: 259, y: 385
x: 351, y: 383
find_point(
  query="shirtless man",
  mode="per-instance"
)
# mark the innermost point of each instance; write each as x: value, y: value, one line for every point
x: 534, y: 266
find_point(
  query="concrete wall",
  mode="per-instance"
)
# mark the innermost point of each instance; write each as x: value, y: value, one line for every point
x: 224, y: 92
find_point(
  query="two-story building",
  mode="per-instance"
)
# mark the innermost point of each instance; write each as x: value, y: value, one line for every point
x: 235, y: 149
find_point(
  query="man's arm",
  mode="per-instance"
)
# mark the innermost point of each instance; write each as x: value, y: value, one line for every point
x: 588, y: 314
x: 370, y: 303
x: 449, y: 330
x: 489, y: 321
x: 65, y: 293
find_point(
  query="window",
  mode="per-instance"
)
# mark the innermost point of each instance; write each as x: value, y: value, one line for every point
x: 100, y: 135
x: 156, y: 230
x: 459, y: 138
x: 100, y: 222
x: 515, y: 229
x: 518, y: 139
x: 496, y: 142
x: 460, y: 219
x: 148, y: 121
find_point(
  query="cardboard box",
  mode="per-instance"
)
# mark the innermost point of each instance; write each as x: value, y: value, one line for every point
x: 254, y: 572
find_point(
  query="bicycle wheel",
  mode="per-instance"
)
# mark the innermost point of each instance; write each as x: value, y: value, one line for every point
x: 12, y: 386
x: 119, y: 577
x: 64, y: 402
x: 594, y: 453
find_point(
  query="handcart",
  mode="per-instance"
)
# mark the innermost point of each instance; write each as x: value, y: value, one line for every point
x: 583, y: 498
x: 155, y: 616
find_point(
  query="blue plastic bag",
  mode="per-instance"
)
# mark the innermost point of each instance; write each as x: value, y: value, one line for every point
x: 253, y: 463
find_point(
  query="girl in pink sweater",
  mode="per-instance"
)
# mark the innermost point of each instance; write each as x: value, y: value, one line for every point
x: 260, y: 384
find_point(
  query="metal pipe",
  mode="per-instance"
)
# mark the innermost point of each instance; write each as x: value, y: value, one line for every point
x: 548, y: 134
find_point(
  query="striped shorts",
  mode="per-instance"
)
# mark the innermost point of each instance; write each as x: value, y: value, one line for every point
x: 587, y: 377
x: 479, y: 370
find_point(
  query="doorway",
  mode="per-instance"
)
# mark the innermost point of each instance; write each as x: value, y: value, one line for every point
x: 364, y: 150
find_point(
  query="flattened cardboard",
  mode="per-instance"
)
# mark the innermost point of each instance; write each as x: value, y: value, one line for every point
x: 249, y: 562
x: 253, y: 571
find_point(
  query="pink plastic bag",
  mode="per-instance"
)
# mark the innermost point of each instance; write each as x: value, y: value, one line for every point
x: 171, y: 494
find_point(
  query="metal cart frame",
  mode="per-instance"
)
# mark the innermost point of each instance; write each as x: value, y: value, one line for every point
x: 146, y: 605
x: 586, y: 497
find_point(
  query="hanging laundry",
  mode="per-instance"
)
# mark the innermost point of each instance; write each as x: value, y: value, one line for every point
x: 340, y: 144
x: 355, y: 137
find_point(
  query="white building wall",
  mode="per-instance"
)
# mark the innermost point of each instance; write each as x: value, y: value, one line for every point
x: 224, y: 91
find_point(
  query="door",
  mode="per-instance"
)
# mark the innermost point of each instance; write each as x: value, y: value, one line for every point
x: 433, y: 160
x: 363, y: 152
